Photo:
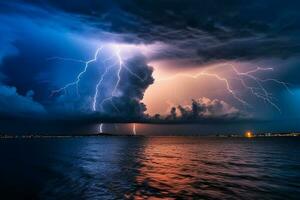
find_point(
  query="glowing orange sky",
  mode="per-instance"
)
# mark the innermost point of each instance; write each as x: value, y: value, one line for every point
x: 165, y: 93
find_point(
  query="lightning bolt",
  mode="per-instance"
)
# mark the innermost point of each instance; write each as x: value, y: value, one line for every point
x: 258, y: 91
x: 76, y: 82
x: 99, y: 83
x: 204, y: 73
x: 101, y: 128
x: 134, y: 129
x: 113, y: 94
x: 120, y: 66
x: 94, y: 103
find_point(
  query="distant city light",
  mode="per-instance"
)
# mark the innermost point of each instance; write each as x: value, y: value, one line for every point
x: 249, y: 134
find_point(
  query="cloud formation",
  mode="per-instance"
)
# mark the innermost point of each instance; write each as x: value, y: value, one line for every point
x: 203, y: 110
x: 120, y: 89
x: 199, y: 31
x: 13, y: 104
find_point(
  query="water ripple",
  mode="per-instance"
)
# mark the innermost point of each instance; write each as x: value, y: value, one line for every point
x: 150, y: 168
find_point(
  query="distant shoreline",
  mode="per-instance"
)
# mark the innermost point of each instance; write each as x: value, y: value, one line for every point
x: 62, y: 136
x: 264, y: 135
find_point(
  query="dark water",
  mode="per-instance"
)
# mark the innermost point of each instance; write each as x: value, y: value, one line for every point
x: 150, y: 168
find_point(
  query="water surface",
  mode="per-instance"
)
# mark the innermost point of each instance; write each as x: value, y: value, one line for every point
x: 150, y: 168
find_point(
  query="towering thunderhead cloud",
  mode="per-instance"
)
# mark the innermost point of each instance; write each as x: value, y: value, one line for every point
x: 112, y: 83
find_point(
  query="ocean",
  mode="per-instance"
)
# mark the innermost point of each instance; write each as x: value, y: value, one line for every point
x: 120, y: 167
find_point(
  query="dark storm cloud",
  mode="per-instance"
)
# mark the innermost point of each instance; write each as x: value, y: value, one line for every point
x: 119, y: 94
x: 14, y: 105
x: 200, y: 30
x: 222, y: 30
x: 132, y: 89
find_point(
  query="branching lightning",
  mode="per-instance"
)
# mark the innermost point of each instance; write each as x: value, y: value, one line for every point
x: 120, y: 66
x: 259, y: 90
x: 218, y: 77
x: 76, y: 82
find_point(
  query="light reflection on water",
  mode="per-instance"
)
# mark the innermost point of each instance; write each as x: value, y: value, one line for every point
x: 154, y: 167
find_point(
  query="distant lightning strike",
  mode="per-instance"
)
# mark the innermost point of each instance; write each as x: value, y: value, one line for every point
x: 117, y: 55
x: 134, y: 129
x: 101, y: 128
x: 259, y: 90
